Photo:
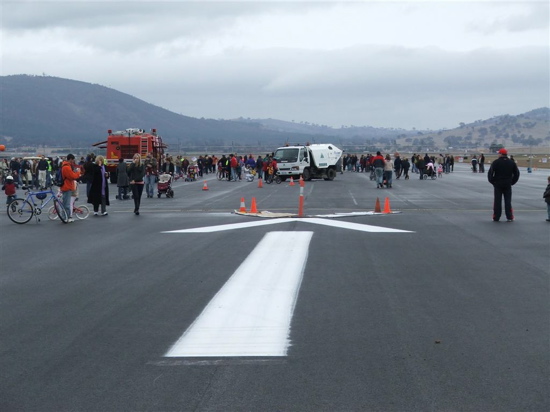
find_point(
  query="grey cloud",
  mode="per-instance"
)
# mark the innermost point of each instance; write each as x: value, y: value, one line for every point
x: 536, y: 17
x: 92, y: 14
x: 374, y: 86
x: 137, y: 27
x: 142, y: 49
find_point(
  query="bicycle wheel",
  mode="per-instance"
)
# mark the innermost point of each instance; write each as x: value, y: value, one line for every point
x: 81, y: 212
x: 61, y: 212
x: 20, y: 211
x: 52, y: 213
x: 278, y: 179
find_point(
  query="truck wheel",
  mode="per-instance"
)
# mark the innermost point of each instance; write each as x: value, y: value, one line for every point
x: 306, y: 174
x: 331, y: 174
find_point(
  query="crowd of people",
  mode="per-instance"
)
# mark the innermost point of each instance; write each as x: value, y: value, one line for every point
x: 417, y: 162
x: 30, y: 172
x: 132, y: 179
x: 384, y: 168
x: 232, y: 167
x: 142, y: 174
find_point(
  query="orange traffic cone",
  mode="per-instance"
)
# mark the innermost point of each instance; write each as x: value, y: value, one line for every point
x: 387, y: 206
x: 205, y: 186
x: 291, y: 182
x: 243, y: 207
x: 377, y: 206
x: 260, y: 184
x: 253, y: 208
x: 302, y: 184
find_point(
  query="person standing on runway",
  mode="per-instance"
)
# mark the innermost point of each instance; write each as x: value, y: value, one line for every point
x: 405, y: 164
x: 99, y: 189
x: 546, y: 196
x: 151, y: 172
x: 136, y: 174
x: 388, y: 171
x: 503, y: 174
x: 481, y: 163
x: 378, y: 163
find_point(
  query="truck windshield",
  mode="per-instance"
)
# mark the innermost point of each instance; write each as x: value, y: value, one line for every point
x: 287, y: 155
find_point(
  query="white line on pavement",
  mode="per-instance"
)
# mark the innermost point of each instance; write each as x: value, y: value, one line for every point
x: 318, y: 221
x: 251, y: 314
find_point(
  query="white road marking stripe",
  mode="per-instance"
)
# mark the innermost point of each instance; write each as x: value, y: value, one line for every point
x: 354, y: 226
x: 251, y: 314
x: 231, y: 226
x: 318, y: 221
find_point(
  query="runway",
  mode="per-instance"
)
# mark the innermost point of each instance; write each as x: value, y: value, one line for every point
x: 434, y: 308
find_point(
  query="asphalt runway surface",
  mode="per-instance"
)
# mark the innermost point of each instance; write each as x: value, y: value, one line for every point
x: 450, y: 312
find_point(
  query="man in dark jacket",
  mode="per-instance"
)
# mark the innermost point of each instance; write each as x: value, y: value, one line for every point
x: 378, y: 163
x: 503, y: 174
x: 420, y: 165
x: 42, y: 170
x: 397, y: 165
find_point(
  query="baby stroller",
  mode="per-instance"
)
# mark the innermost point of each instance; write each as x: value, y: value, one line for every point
x: 249, y: 174
x: 372, y: 175
x: 165, y: 185
x: 191, y: 174
x: 430, y: 172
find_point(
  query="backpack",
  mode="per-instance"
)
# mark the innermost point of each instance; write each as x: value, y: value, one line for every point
x: 58, y: 180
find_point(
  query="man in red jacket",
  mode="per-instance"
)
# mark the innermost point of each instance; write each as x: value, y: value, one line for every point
x: 69, y: 177
x: 378, y: 163
x: 234, y: 164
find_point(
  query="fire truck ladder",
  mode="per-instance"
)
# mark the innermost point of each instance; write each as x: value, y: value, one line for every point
x: 143, y: 149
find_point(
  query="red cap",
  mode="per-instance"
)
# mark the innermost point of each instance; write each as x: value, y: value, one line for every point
x: 503, y: 151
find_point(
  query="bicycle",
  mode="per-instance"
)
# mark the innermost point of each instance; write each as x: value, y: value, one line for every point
x: 271, y: 176
x: 81, y: 212
x: 20, y: 211
x: 222, y: 173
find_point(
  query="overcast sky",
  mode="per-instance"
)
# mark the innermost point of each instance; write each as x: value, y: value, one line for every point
x: 422, y: 64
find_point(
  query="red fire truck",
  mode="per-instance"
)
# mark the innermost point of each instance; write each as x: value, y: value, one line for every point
x: 126, y: 143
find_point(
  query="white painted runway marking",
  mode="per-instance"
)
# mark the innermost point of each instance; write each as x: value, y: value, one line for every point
x: 231, y: 226
x: 317, y: 221
x: 354, y: 226
x: 353, y: 198
x: 251, y: 314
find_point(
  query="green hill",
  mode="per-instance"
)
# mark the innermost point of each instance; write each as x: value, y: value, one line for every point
x: 50, y: 111
x: 524, y: 131
x: 53, y: 112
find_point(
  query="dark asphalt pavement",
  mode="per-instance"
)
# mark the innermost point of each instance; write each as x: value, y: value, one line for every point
x: 452, y: 316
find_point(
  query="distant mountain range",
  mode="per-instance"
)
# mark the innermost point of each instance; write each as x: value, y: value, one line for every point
x: 527, y: 130
x: 51, y: 111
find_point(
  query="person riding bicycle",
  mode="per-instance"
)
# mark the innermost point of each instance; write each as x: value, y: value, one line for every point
x: 271, y: 169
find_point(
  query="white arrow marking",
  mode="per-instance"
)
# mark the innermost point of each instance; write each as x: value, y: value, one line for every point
x: 251, y: 314
x: 353, y: 226
x: 317, y: 221
x: 230, y: 226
